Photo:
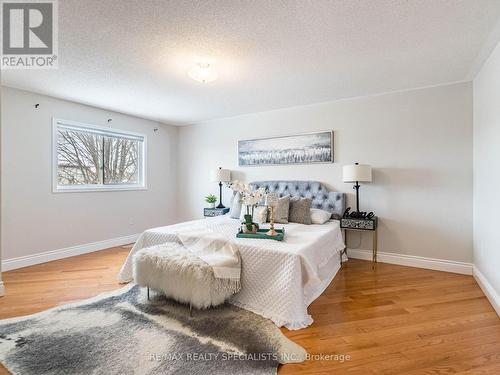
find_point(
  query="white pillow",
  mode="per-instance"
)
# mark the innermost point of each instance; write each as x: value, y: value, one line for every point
x: 235, y: 206
x: 259, y: 214
x: 319, y: 216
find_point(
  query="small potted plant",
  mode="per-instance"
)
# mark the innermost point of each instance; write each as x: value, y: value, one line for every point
x: 211, y: 199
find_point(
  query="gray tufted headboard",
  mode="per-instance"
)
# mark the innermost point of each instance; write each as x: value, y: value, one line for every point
x: 321, y: 196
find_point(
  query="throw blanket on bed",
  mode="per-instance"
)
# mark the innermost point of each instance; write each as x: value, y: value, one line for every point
x: 279, y: 279
x: 218, y: 252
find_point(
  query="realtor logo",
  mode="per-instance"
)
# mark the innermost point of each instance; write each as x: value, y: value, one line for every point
x: 29, y: 34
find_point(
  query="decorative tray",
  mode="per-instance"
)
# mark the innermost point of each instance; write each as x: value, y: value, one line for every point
x: 261, y: 234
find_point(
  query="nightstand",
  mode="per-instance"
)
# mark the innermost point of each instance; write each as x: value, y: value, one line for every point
x: 211, y: 212
x: 361, y: 225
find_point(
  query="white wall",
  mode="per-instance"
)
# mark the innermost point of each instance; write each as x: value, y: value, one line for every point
x: 34, y: 219
x: 419, y: 142
x: 487, y: 177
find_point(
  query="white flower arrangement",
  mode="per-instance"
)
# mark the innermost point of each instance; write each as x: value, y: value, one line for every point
x: 250, y: 198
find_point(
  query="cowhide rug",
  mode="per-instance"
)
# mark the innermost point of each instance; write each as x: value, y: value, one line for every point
x: 123, y: 333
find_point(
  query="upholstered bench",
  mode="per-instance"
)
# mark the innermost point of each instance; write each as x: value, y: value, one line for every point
x: 173, y: 270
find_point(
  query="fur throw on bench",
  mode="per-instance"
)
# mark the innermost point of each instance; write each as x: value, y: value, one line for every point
x: 181, y: 275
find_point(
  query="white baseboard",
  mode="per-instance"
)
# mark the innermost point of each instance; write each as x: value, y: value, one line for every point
x: 487, y: 289
x: 47, y: 256
x: 413, y: 261
x: 2, y: 289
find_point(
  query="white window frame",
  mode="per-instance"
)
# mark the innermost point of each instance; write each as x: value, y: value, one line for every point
x: 56, y: 188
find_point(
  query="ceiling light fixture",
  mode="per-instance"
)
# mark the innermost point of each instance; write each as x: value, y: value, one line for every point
x: 203, y: 72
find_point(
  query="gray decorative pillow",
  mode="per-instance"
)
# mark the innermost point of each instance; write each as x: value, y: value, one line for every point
x: 235, y: 206
x: 281, y: 210
x: 300, y: 210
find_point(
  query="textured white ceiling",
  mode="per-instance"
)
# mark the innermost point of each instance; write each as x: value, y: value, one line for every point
x: 133, y: 56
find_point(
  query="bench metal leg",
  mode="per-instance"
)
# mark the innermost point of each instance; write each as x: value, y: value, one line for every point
x: 148, y: 293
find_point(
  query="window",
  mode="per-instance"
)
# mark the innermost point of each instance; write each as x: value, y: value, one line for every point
x: 90, y: 157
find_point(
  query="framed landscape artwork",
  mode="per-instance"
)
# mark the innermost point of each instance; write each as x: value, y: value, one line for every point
x: 291, y: 149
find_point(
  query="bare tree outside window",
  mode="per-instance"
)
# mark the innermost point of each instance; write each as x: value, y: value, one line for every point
x: 96, y: 158
x: 79, y: 157
x: 121, y: 160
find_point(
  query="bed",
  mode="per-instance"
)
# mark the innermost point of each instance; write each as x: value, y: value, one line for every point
x: 279, y: 279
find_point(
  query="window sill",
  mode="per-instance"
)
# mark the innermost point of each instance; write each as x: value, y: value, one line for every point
x: 79, y: 189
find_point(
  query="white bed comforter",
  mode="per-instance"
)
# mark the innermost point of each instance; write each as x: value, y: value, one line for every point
x: 279, y: 279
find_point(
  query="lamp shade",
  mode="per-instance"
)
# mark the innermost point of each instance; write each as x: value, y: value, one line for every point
x: 220, y: 175
x: 357, y: 172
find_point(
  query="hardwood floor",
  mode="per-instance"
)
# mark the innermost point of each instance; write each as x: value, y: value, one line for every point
x: 391, y: 320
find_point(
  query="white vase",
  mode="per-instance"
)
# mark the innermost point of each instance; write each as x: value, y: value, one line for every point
x: 212, y: 205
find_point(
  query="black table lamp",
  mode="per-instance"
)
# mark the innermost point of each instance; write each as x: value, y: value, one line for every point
x: 220, y: 175
x: 357, y: 173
